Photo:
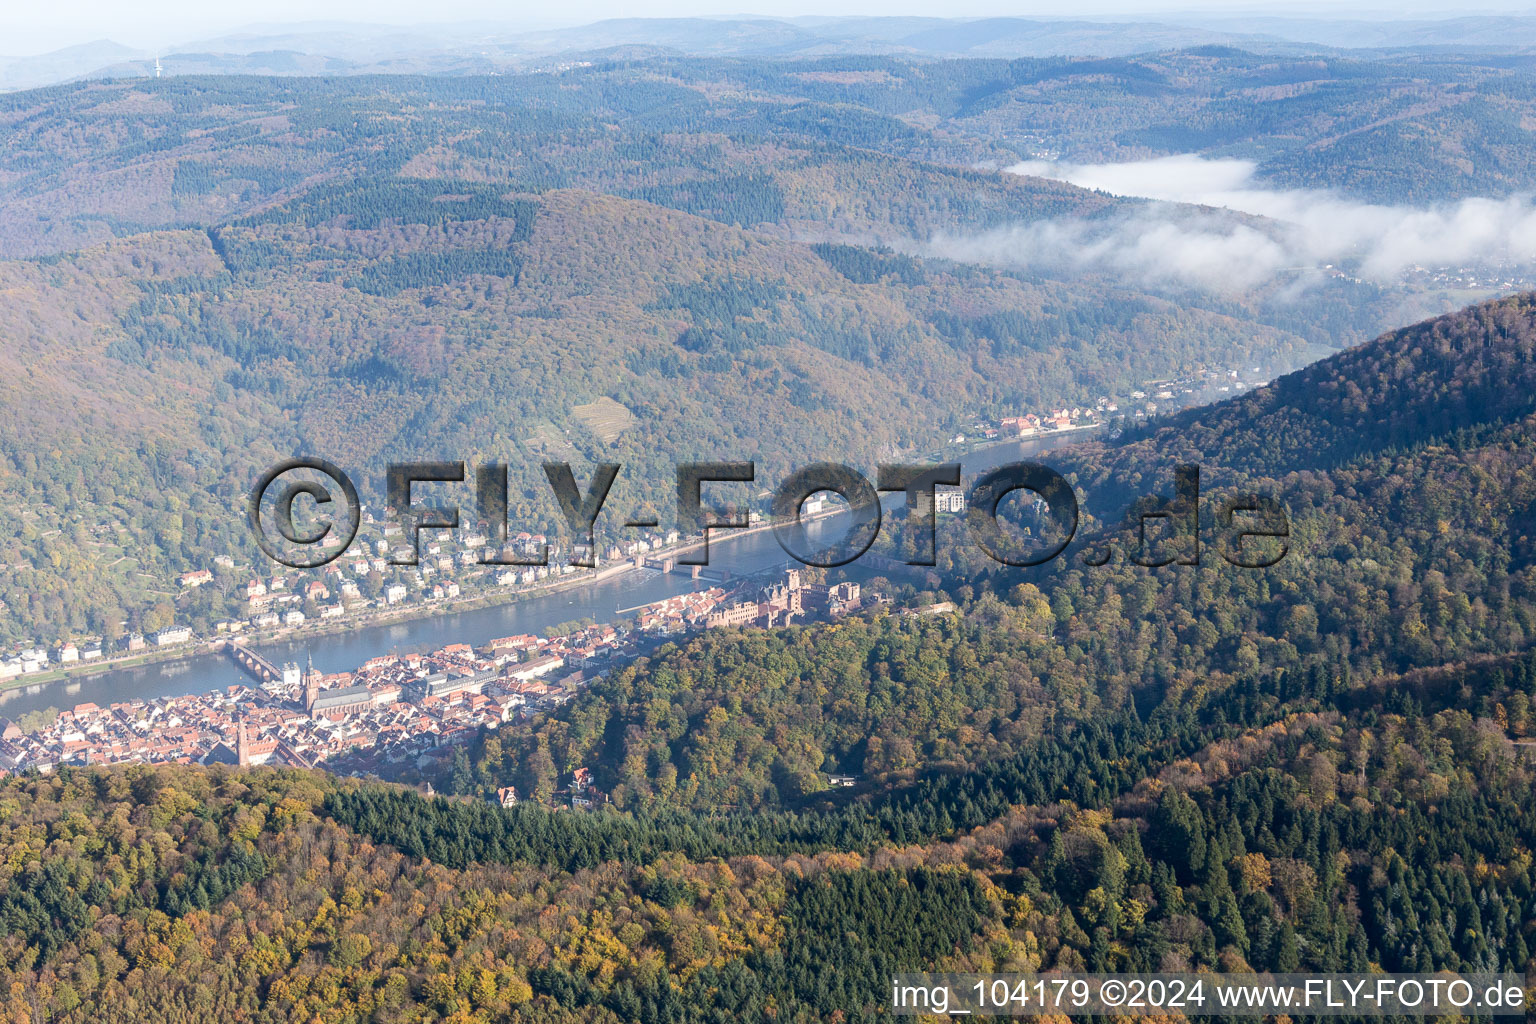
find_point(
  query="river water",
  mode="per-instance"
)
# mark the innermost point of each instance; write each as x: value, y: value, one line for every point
x: 341, y: 652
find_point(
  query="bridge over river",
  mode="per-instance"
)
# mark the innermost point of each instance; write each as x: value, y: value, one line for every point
x: 255, y: 664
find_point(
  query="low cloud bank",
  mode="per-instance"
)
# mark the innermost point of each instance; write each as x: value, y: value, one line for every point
x: 1304, y: 231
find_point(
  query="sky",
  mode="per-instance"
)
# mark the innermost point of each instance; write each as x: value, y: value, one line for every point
x: 31, y: 28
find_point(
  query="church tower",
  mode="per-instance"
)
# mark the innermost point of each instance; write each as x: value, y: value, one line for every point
x: 311, y: 684
x: 243, y: 745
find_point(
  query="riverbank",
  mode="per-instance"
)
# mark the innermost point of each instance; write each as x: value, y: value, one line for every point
x: 175, y: 660
x: 100, y: 666
x: 490, y: 597
x: 319, y: 628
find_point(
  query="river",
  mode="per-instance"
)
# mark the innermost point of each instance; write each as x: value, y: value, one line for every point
x: 345, y: 651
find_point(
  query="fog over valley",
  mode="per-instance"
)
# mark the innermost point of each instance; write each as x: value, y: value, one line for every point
x: 1193, y: 232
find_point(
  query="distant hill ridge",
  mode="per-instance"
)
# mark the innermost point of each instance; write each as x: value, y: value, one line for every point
x: 453, y: 48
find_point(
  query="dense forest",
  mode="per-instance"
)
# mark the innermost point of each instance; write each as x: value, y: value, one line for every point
x: 766, y: 141
x: 1093, y: 764
x: 1410, y: 544
x: 162, y: 374
x: 736, y: 252
x: 1320, y: 766
x: 1308, y: 829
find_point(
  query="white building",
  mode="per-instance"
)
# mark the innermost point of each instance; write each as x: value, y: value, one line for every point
x: 173, y: 635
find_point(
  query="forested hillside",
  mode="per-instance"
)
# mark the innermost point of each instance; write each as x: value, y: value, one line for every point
x: 161, y: 374
x: 1320, y: 766
x: 215, y: 273
x: 1293, y: 828
x: 1409, y: 545
x: 806, y: 143
x: 1447, y: 376
x: 643, y: 258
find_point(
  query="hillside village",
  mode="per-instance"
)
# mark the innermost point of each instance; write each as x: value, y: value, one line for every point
x: 1153, y: 397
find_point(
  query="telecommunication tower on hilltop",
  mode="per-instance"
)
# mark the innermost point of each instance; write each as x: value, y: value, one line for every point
x: 158, y: 68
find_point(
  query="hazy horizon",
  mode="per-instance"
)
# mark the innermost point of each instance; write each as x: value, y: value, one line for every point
x: 172, y: 23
